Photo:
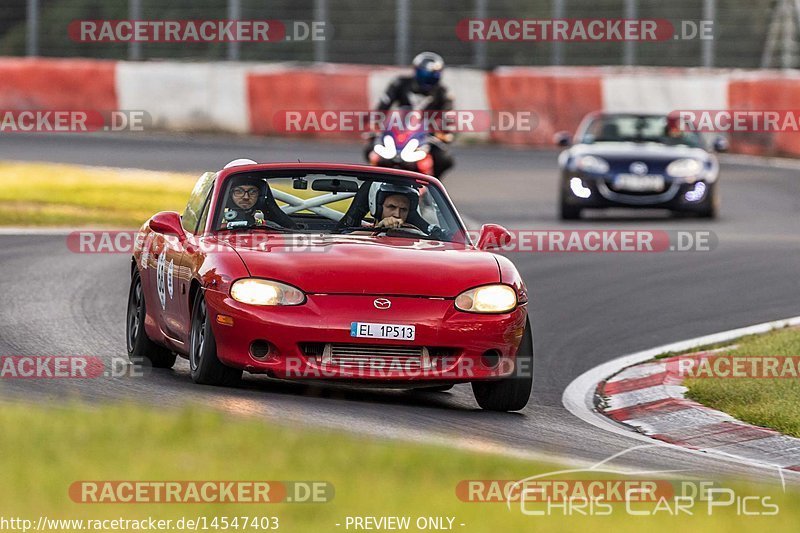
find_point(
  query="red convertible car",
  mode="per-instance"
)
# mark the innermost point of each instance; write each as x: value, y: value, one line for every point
x: 329, y: 272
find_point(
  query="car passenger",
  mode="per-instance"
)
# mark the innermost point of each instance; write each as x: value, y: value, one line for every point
x: 245, y: 203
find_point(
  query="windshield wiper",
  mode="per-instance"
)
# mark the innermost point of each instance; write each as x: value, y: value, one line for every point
x: 415, y: 233
x: 418, y: 234
x: 349, y: 229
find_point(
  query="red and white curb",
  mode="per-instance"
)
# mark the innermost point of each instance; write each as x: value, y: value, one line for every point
x: 643, y: 398
x: 650, y: 398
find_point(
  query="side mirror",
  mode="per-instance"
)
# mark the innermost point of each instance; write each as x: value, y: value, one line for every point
x: 562, y: 138
x: 721, y: 144
x: 167, y: 223
x: 493, y: 237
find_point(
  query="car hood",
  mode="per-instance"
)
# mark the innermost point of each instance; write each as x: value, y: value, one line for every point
x: 365, y: 264
x: 627, y: 151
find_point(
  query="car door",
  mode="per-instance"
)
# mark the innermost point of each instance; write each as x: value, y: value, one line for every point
x: 171, y: 279
x: 188, y: 257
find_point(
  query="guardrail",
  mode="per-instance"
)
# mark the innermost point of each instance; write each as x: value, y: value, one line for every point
x: 245, y: 98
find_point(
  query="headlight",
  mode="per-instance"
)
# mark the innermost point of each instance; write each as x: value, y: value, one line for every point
x: 410, y: 152
x: 685, y: 168
x: 592, y: 164
x: 255, y: 291
x: 579, y: 189
x: 487, y: 299
x: 388, y: 149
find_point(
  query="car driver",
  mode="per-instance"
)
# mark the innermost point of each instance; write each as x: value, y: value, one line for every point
x: 391, y: 205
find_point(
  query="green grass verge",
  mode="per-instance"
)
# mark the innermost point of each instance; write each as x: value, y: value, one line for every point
x: 45, y: 449
x: 46, y: 194
x: 772, y: 403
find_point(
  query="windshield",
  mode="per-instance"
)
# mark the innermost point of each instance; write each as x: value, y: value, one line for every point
x: 637, y: 128
x: 336, y: 204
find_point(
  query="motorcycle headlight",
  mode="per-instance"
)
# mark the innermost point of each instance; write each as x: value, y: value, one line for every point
x: 411, y: 152
x: 387, y: 150
x: 685, y: 168
x: 592, y: 164
x: 255, y: 291
x: 487, y: 299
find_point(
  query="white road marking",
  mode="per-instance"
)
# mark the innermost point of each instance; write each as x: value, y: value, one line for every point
x: 578, y: 397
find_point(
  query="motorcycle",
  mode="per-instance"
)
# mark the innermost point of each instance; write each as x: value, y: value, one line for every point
x: 407, y: 149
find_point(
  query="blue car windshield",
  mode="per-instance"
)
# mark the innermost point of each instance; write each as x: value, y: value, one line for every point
x: 637, y: 128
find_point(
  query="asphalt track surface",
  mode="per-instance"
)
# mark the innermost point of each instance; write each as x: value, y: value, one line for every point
x: 586, y: 308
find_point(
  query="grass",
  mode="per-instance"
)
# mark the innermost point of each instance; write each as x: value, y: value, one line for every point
x: 46, y: 194
x: 772, y: 403
x: 45, y: 449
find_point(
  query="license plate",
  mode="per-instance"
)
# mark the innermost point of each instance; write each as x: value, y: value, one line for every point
x: 631, y: 182
x: 382, y: 331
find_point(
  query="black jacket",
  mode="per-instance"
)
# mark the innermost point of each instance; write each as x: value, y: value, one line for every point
x: 404, y: 92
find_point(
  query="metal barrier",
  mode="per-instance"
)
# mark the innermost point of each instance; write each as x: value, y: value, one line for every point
x: 746, y: 33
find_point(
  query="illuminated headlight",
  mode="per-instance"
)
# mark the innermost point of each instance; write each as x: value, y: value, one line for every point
x: 264, y: 292
x: 411, y: 152
x: 487, y: 299
x: 579, y: 189
x: 592, y: 164
x: 685, y: 168
x: 387, y: 150
x: 696, y: 194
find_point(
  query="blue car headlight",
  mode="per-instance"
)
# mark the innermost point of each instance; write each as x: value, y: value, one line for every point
x: 688, y: 169
x: 592, y: 164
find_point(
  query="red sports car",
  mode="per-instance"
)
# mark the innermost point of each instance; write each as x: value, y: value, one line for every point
x: 330, y: 272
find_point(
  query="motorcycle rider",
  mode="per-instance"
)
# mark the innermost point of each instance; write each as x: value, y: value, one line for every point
x: 423, y: 92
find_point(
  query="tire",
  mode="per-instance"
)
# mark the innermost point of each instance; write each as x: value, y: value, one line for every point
x: 511, y: 393
x: 710, y: 204
x: 142, y: 350
x: 205, y: 367
x: 568, y: 212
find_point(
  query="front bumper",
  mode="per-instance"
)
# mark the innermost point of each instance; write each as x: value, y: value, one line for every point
x: 603, y: 195
x: 457, y: 347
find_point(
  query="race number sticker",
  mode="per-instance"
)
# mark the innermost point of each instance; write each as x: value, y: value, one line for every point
x: 170, y: 272
x: 160, y: 282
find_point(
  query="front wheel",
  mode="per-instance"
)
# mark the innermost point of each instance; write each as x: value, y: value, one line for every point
x: 710, y: 204
x: 205, y: 367
x: 567, y: 211
x: 511, y: 393
x: 142, y: 350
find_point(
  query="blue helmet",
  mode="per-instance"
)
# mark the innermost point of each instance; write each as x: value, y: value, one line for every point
x: 428, y: 68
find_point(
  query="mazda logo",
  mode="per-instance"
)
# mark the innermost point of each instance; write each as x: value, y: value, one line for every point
x: 638, y: 168
x: 382, y: 303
